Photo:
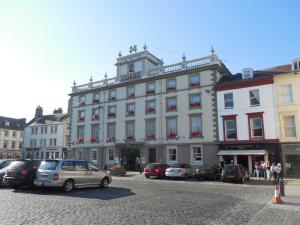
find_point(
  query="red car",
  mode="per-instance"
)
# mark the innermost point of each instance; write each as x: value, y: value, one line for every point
x: 155, y: 170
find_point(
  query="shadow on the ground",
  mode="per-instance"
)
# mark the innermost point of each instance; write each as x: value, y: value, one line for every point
x: 91, y: 193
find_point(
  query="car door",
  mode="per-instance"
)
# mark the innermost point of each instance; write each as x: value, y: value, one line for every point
x: 94, y: 173
x: 82, y: 172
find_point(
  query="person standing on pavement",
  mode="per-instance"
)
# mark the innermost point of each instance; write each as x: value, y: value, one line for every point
x: 279, y: 172
x: 274, y: 172
x: 257, y: 170
x: 267, y: 164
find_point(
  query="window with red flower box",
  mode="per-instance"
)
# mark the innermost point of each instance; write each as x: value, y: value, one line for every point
x: 95, y: 114
x: 111, y: 132
x: 94, y: 133
x: 81, y: 115
x: 196, y: 126
x: 172, y: 128
x: 195, y: 100
x: 150, y: 106
x: 112, y: 95
x: 130, y: 109
x: 171, y: 84
x: 150, y: 129
x: 80, y: 135
x: 130, y: 92
x: 150, y: 88
x: 171, y: 104
x: 82, y: 100
x: 112, y: 111
x: 96, y: 98
x: 194, y: 80
x: 130, y: 130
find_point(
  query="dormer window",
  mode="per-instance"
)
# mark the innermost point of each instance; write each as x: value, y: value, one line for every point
x: 6, y: 123
x: 296, y: 64
x: 247, y: 73
x: 130, y: 68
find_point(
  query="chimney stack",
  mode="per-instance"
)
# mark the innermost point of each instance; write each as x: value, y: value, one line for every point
x: 57, y: 111
x: 38, y: 112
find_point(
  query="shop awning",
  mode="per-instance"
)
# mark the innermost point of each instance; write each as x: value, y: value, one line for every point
x: 242, y: 152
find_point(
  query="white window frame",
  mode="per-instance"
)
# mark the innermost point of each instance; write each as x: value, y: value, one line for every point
x: 252, y: 97
x: 107, y: 156
x: 169, y: 148
x: 295, y: 117
x: 291, y: 97
x: 226, y: 107
x: 192, y: 154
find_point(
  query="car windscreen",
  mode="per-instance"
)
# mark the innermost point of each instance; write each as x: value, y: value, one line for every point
x: 230, y: 168
x: 151, y: 167
x: 177, y: 166
x: 17, y: 164
x: 48, y: 165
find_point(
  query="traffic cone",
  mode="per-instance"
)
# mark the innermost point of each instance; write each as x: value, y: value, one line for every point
x: 277, y: 199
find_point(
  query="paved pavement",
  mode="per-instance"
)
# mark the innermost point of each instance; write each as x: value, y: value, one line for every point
x: 137, y: 200
x: 287, y: 213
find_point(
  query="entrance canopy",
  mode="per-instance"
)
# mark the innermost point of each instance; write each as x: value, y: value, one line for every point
x: 242, y: 152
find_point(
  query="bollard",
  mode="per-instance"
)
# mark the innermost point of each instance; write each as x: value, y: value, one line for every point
x: 281, y: 185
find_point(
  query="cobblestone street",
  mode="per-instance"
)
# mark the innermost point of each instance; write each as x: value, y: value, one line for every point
x: 137, y: 201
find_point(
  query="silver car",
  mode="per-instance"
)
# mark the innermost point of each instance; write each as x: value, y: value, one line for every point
x: 180, y: 170
x: 70, y: 174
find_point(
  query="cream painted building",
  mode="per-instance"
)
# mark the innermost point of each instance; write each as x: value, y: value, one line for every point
x: 287, y: 89
x: 155, y: 112
x: 11, y: 137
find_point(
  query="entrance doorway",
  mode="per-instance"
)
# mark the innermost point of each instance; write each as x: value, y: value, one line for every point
x: 243, y: 160
x: 129, y: 157
x: 292, y: 166
x: 152, y: 155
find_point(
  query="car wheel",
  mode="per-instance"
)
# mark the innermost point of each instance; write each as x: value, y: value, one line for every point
x: 147, y: 176
x: 104, y: 182
x: 68, y: 186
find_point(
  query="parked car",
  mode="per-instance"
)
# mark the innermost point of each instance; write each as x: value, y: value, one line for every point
x: 211, y: 173
x: 4, y: 163
x: 235, y: 172
x: 69, y: 174
x: 21, y: 173
x: 180, y: 171
x: 156, y: 170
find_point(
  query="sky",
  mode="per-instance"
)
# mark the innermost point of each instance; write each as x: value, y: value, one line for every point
x: 46, y: 45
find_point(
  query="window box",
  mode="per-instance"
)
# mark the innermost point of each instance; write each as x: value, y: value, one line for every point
x: 130, y: 138
x: 150, y: 110
x: 172, y: 136
x: 130, y: 95
x: 195, y: 104
x: 81, y: 104
x: 149, y: 92
x: 110, y: 139
x: 81, y: 118
x: 172, y: 107
x: 79, y: 140
x: 112, y: 98
x: 150, y: 137
x: 95, y: 116
x: 195, y: 84
x: 96, y: 101
x: 130, y: 113
x: 111, y: 114
x: 93, y: 139
x: 171, y: 88
x: 196, y: 134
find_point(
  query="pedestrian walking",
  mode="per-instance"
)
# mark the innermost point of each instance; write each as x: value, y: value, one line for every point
x: 257, y: 170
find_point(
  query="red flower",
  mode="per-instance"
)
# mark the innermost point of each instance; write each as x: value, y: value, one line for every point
x: 79, y: 140
x: 130, y: 94
x: 172, y: 135
x: 194, y: 84
x: 195, y: 104
x: 130, y: 113
x: 112, y: 98
x: 172, y: 107
x: 94, y: 116
x: 111, y: 114
x: 93, y: 139
x: 196, y: 134
x: 150, y: 92
x: 150, y: 110
x: 81, y: 118
x: 151, y: 136
x: 130, y: 138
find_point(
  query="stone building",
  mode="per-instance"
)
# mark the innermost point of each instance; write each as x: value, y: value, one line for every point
x: 11, y: 137
x: 155, y: 112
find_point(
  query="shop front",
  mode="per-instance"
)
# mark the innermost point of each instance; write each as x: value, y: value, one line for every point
x: 248, y: 155
x: 291, y: 160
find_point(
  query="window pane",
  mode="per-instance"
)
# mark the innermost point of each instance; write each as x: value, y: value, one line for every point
x: 289, y: 126
x: 286, y: 95
x: 197, y: 154
x: 228, y: 100
x: 254, y: 97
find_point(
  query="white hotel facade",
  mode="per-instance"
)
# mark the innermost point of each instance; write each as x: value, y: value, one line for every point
x: 155, y: 112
